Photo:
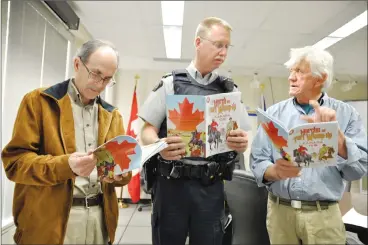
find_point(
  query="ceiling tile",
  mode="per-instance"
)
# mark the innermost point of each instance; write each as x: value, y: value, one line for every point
x: 263, y: 31
x: 302, y: 16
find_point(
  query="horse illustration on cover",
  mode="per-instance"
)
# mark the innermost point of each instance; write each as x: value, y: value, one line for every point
x: 196, y: 144
x: 325, y: 152
x: 214, y: 135
x: 301, y: 155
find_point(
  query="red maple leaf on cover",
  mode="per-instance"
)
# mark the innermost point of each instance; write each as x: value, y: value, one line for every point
x: 272, y: 133
x: 185, y: 120
x: 120, y: 152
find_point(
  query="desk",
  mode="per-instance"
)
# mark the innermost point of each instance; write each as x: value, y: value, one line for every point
x: 359, y: 202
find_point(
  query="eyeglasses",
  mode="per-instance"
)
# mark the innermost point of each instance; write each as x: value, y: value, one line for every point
x: 218, y: 45
x: 109, y: 82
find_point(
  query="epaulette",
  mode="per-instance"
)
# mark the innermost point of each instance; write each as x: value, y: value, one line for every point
x: 167, y: 75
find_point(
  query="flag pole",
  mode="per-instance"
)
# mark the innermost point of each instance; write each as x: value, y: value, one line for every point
x: 136, y: 77
x: 121, y: 204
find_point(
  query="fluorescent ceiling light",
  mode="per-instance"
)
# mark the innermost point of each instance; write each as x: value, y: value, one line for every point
x: 352, y: 26
x: 172, y: 20
x: 172, y: 36
x: 346, y: 30
x: 327, y: 42
x: 172, y: 13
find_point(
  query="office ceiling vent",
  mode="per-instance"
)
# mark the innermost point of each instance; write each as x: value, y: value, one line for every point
x: 172, y: 60
x: 65, y: 13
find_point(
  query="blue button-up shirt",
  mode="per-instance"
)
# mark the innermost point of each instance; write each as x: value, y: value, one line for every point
x: 322, y: 183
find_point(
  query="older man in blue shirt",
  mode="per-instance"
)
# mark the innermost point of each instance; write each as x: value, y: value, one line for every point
x: 303, y: 203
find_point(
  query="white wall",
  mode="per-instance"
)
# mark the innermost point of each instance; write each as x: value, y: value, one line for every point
x: 361, y: 107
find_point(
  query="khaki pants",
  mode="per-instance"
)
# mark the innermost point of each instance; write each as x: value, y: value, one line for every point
x: 86, y: 226
x: 287, y: 225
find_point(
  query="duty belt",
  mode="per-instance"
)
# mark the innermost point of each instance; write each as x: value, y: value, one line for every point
x: 177, y: 169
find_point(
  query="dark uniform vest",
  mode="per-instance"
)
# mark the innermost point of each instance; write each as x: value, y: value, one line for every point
x: 184, y: 84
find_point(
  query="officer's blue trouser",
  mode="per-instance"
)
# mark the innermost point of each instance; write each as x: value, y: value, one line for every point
x: 183, y: 207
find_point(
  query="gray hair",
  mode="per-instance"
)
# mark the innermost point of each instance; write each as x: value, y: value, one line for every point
x: 89, y: 47
x: 320, y: 61
x: 205, y: 26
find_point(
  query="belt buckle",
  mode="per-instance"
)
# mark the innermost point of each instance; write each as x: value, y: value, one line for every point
x: 296, y: 204
x: 86, y: 199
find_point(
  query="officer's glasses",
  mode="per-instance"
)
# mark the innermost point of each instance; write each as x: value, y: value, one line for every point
x: 109, y: 82
x: 218, y: 45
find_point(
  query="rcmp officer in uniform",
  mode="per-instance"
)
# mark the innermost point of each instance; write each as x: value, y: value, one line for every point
x: 188, y: 194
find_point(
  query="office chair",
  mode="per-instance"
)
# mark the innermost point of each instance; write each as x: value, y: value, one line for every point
x: 352, y: 233
x: 248, y: 207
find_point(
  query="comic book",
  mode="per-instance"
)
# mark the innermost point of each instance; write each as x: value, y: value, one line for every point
x: 203, y: 122
x: 123, y: 154
x: 307, y: 145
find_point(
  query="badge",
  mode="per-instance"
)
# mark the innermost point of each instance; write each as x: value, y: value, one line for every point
x: 159, y: 85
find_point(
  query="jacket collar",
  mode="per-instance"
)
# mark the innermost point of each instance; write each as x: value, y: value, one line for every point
x: 59, y: 90
x: 76, y: 96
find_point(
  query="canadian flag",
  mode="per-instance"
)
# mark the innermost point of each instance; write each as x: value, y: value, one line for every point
x: 134, y: 186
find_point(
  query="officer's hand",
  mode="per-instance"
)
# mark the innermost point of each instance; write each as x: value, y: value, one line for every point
x: 82, y: 164
x: 237, y: 140
x: 285, y: 169
x: 175, y: 149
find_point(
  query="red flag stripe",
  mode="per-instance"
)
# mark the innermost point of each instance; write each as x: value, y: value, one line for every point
x: 134, y: 186
x: 133, y: 114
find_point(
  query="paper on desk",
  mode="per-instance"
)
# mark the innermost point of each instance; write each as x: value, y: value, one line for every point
x: 354, y: 218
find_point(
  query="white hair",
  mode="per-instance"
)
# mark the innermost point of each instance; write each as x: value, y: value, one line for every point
x: 320, y: 61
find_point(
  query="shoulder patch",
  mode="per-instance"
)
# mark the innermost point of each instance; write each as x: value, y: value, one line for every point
x: 159, y: 85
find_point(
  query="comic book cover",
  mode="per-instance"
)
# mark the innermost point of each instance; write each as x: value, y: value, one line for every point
x: 307, y: 145
x: 123, y: 154
x: 223, y: 112
x: 203, y: 122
